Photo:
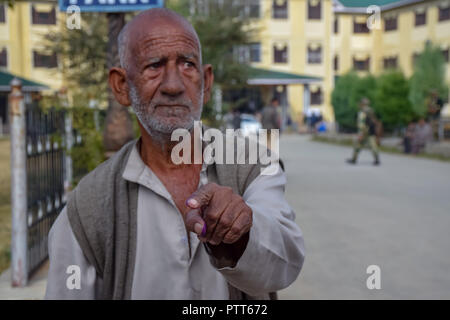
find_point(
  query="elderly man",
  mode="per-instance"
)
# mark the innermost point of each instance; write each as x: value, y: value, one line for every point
x: 140, y: 226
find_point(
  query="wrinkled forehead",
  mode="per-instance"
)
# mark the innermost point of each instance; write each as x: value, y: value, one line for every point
x: 162, y: 33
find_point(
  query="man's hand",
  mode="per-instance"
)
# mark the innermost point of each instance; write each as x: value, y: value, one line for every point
x: 218, y: 215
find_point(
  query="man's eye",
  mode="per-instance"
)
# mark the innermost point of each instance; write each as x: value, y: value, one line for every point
x: 188, y: 64
x: 155, y: 65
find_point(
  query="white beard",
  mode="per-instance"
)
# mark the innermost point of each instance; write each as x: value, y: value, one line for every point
x: 157, y: 129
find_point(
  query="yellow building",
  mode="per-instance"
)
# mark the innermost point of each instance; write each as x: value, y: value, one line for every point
x: 397, y: 35
x: 325, y: 38
x: 21, y: 41
x: 295, y: 37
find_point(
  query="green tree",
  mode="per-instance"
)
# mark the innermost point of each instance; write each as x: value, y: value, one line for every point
x: 389, y: 102
x: 349, y: 90
x: 429, y: 74
x: 82, y: 57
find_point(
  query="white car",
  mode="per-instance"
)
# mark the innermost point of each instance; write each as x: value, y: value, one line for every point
x: 249, y: 125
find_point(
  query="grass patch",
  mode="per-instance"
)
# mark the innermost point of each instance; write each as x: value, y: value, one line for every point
x: 5, y: 205
x: 393, y: 150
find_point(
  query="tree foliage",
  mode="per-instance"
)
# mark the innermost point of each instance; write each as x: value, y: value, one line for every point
x: 429, y: 74
x: 88, y: 154
x: 349, y: 90
x: 389, y: 102
x: 82, y: 57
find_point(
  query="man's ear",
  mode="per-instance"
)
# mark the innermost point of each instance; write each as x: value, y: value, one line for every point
x: 119, y: 86
x: 208, y: 80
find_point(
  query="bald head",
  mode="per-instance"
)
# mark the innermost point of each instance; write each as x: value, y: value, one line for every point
x: 147, y: 20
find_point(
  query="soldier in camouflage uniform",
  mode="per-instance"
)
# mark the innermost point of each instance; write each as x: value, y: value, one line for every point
x: 366, y: 132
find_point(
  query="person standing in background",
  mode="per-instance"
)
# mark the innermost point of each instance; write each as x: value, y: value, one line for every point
x: 408, y: 138
x: 434, y: 107
x: 423, y: 133
x: 270, y: 118
x: 367, y: 132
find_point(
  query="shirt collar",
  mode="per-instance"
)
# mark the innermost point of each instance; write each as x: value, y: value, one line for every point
x: 138, y: 172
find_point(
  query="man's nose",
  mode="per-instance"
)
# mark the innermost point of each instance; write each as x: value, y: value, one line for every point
x: 172, y: 84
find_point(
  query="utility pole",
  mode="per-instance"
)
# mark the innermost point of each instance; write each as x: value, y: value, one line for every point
x: 19, y: 261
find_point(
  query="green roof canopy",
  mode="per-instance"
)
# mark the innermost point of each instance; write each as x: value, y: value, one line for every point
x: 360, y: 6
x: 366, y: 3
x: 266, y: 77
x: 27, y: 85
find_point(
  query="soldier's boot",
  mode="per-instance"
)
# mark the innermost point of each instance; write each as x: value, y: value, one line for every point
x: 376, y: 162
x: 352, y: 160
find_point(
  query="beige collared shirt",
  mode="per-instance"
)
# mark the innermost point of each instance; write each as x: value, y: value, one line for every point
x: 166, y: 266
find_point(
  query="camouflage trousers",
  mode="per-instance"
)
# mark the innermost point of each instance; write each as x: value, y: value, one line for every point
x: 360, y: 143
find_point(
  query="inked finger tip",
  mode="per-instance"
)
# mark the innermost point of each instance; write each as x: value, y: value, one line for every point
x: 203, y: 230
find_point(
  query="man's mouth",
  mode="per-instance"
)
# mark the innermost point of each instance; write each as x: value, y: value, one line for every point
x: 172, y: 110
x: 171, y: 106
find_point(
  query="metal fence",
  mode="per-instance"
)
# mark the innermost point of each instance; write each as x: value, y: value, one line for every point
x: 45, y: 165
x: 43, y: 143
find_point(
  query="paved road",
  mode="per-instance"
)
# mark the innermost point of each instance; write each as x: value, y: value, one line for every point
x: 396, y: 216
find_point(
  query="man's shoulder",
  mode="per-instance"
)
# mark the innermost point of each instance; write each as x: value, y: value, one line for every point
x: 106, y: 172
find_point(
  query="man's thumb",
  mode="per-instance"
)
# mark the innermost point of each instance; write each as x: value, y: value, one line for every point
x: 202, y: 196
x: 195, y: 223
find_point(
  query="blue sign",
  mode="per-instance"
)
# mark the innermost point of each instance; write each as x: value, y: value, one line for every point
x: 110, y: 5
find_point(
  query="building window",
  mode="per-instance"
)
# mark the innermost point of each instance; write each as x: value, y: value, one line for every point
x: 279, y: 9
x: 43, y: 17
x: 253, y: 8
x: 44, y: 60
x: 314, y: 54
x: 390, y: 63
x: 247, y: 53
x: 445, y: 54
x: 2, y: 13
x: 314, y: 10
x: 390, y: 24
x: 241, y: 54
x: 255, y: 52
x: 336, y: 63
x: 315, y: 97
x: 444, y: 13
x: 421, y: 18
x: 336, y: 25
x: 3, y: 58
x: 360, y: 25
x: 280, y: 53
x: 361, y: 64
